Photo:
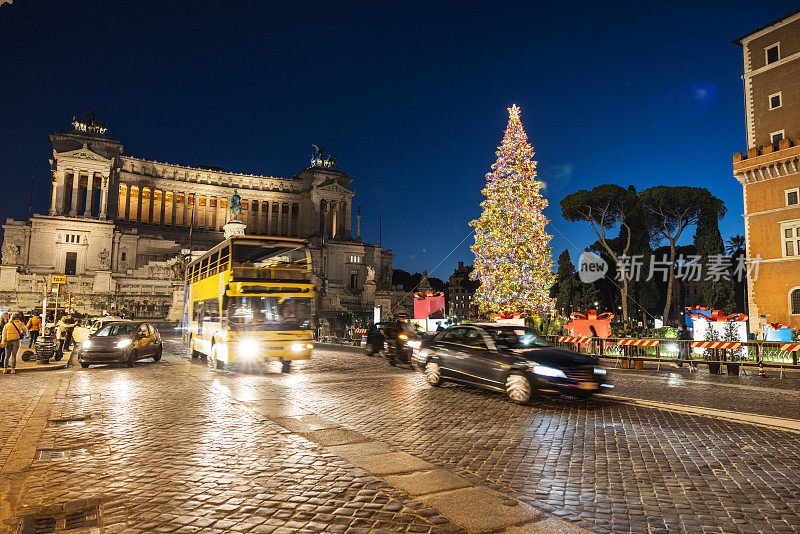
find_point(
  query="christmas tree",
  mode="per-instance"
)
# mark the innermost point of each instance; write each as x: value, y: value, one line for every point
x: 513, y: 260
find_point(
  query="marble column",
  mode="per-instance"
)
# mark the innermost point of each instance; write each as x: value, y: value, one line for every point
x: 89, y: 183
x: 258, y: 217
x: 269, y: 218
x: 58, y: 186
x: 105, y: 183
x: 76, y: 177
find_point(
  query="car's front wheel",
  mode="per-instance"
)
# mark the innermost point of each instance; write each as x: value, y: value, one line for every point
x: 433, y: 374
x: 84, y: 365
x: 159, y: 351
x: 132, y: 359
x: 518, y: 388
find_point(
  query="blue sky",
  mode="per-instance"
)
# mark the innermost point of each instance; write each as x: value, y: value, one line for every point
x: 411, y: 97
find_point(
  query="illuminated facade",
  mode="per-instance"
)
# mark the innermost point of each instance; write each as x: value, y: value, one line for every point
x: 117, y: 226
x: 768, y: 171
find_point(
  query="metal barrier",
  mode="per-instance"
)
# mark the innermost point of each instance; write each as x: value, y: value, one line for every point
x: 628, y: 352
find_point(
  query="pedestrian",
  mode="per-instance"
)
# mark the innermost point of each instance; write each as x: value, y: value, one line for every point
x: 34, y: 326
x: 684, y: 348
x: 72, y: 322
x: 13, y: 333
x: 61, y: 337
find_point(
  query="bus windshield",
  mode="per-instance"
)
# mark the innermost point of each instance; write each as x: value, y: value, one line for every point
x: 270, y: 261
x: 269, y: 313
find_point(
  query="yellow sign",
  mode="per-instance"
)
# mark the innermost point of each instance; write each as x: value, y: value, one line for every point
x: 58, y: 279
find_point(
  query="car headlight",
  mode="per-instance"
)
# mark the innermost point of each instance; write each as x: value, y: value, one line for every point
x: 124, y: 343
x: 248, y: 347
x: 298, y: 347
x: 87, y: 344
x: 414, y: 343
x: 551, y: 372
x: 402, y: 336
x: 599, y: 371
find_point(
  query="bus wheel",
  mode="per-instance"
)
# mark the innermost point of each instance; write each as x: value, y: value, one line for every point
x: 286, y: 366
x: 214, y: 361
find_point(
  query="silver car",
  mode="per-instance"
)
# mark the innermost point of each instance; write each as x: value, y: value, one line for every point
x: 121, y: 342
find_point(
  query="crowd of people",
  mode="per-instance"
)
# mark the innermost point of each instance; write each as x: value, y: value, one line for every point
x: 15, y: 330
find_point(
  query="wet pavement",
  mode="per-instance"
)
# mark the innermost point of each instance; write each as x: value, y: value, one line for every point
x: 177, y: 447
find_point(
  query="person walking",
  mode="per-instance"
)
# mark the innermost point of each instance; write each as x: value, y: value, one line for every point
x: 34, y: 326
x: 61, y: 337
x: 13, y: 333
x: 72, y: 322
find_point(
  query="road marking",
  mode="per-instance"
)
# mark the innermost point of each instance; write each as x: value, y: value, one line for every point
x: 791, y: 425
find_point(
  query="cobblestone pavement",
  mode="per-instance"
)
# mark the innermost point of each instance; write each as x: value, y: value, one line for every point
x: 621, y: 467
x: 770, y: 396
x: 176, y: 447
x: 161, y: 450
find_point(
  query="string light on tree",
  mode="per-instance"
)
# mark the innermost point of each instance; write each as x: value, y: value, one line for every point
x: 513, y: 260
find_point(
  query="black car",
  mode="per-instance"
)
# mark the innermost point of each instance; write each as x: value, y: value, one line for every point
x: 121, y: 342
x: 511, y: 359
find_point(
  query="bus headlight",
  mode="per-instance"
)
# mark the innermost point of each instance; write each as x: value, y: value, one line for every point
x: 414, y: 343
x: 248, y: 347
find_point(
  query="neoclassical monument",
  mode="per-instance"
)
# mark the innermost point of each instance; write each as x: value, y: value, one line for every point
x: 120, y: 228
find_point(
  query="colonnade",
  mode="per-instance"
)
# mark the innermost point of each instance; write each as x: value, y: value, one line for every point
x: 65, y: 199
x: 142, y: 204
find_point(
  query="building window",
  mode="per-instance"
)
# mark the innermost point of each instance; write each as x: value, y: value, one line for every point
x: 794, y: 297
x: 356, y: 259
x: 792, y: 196
x: 773, y: 53
x: 122, y: 256
x: 791, y: 239
x: 775, y: 137
x: 775, y: 101
x: 353, y: 279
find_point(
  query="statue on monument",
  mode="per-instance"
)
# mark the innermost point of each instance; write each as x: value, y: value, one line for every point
x: 10, y: 251
x: 235, y: 205
x: 104, y: 259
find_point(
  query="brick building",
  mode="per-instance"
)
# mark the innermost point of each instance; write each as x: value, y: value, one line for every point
x: 768, y: 171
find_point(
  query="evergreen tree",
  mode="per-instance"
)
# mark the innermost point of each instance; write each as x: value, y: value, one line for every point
x: 513, y: 259
x: 717, y: 294
x: 566, y: 285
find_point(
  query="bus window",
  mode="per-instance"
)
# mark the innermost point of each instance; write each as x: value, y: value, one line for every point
x: 212, y: 306
x: 213, y: 267
x: 203, y: 268
x: 268, y: 313
x: 224, y: 258
x: 267, y: 261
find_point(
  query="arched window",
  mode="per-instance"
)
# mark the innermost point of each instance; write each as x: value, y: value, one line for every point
x: 794, y: 298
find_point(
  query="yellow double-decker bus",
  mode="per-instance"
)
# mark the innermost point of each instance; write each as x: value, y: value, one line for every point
x: 249, y: 300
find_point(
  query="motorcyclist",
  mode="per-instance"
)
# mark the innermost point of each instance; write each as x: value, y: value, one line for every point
x: 397, y: 336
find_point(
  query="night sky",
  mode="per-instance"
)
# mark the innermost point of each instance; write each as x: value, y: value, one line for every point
x: 411, y: 98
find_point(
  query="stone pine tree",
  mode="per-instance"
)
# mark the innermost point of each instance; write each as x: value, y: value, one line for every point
x: 513, y: 259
